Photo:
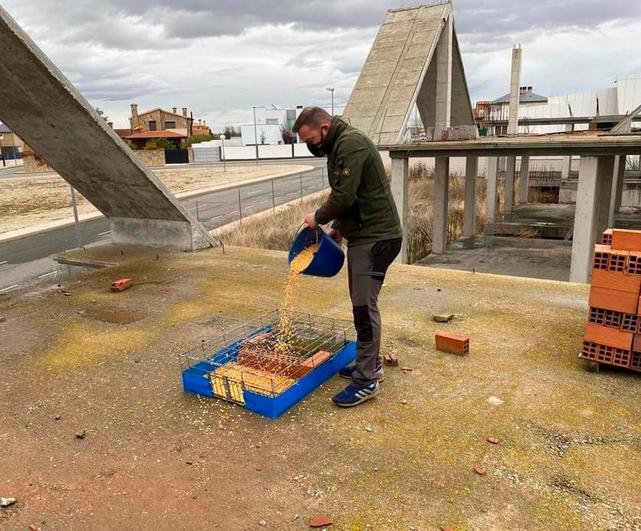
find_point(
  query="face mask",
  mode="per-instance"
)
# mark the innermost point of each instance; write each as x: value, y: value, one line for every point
x: 317, y: 149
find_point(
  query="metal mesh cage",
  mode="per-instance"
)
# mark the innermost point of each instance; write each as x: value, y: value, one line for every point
x: 261, y: 357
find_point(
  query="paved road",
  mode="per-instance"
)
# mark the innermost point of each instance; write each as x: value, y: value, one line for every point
x: 31, y: 257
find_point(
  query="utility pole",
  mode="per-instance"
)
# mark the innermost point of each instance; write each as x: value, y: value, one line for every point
x: 255, y: 133
x: 331, y: 89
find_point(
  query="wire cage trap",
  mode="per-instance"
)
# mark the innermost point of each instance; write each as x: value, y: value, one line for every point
x: 271, y: 362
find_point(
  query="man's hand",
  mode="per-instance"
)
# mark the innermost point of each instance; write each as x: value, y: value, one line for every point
x: 336, y: 236
x: 310, y: 220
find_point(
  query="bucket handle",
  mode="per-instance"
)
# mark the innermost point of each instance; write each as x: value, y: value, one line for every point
x: 317, y: 232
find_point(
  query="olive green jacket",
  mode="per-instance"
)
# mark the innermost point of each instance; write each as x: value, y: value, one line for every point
x: 361, y: 202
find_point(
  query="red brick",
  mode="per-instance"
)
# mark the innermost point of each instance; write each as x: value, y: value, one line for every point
x: 601, y: 259
x: 634, y: 263
x: 611, y: 337
x: 618, y: 262
x: 321, y: 520
x: 616, y: 281
x: 606, y: 238
x: 316, y: 359
x: 121, y: 284
x: 618, y: 301
x: 454, y: 343
x: 626, y: 240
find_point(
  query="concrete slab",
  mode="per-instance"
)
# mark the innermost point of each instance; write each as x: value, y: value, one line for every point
x: 518, y: 257
x: 153, y: 457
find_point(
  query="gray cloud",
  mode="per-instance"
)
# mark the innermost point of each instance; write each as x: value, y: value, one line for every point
x: 221, y: 57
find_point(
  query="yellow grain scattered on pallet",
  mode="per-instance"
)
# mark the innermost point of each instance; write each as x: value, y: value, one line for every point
x: 238, y: 377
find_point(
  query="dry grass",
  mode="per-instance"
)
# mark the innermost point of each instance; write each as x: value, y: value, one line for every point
x: 271, y: 232
x: 276, y: 232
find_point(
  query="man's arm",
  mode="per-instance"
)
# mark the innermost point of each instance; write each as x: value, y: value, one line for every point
x: 351, y: 160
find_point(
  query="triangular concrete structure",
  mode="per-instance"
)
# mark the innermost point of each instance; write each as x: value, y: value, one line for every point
x: 42, y: 107
x: 415, y: 59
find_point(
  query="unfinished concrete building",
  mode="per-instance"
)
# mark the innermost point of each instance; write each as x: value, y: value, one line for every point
x: 41, y: 106
x: 415, y: 61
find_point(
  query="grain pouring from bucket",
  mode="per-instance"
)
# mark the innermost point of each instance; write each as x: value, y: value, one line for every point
x: 296, y: 267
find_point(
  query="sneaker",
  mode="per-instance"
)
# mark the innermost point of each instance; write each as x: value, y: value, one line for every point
x: 352, y: 395
x: 347, y: 372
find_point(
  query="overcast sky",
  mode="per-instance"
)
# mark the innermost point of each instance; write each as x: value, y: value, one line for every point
x: 220, y: 57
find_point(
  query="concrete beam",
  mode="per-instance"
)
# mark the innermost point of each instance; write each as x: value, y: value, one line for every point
x: 553, y: 145
x: 510, y: 170
x: 595, y: 177
x: 400, y: 191
x: 617, y: 189
x: 491, y: 194
x: 469, y: 207
x: 524, y: 178
x: 41, y: 106
x: 441, y: 186
x: 443, y: 108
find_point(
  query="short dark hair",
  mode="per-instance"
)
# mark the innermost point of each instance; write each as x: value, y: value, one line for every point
x: 311, y: 116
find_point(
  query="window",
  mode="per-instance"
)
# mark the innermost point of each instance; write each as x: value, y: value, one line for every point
x: 271, y: 121
x: 152, y: 125
x: 170, y: 125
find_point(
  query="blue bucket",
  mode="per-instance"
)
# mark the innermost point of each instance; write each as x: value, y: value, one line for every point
x: 329, y: 258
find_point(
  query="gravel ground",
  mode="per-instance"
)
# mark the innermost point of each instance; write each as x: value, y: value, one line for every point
x: 106, y: 367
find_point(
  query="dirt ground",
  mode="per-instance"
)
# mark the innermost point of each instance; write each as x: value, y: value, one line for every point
x: 153, y: 457
x: 27, y: 201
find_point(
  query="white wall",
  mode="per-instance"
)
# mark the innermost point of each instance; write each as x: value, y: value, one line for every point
x: 284, y: 151
x: 271, y: 133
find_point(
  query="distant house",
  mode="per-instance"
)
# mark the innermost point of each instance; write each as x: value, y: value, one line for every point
x: 500, y: 107
x: 140, y: 138
x: 11, y: 146
x: 162, y: 120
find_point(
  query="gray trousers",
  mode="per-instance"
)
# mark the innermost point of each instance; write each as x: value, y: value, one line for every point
x: 367, y: 265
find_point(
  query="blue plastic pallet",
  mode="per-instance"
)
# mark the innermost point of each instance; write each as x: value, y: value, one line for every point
x: 196, y: 379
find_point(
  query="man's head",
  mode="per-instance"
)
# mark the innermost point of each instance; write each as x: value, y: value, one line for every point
x: 312, y: 125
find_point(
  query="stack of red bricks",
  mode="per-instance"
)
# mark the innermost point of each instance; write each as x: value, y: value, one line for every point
x: 613, y: 331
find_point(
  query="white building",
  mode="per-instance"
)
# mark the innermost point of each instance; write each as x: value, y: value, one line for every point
x: 269, y: 127
x: 620, y: 99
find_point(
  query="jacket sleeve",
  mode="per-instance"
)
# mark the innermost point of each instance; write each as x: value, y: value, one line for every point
x: 350, y: 159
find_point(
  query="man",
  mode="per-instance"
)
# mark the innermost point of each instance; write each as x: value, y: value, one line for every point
x: 364, y: 213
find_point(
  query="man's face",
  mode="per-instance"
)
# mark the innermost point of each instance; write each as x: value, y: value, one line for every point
x: 313, y: 135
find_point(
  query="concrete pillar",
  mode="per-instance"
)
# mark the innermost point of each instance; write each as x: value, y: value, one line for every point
x: 617, y: 188
x: 566, y: 165
x: 590, y: 217
x: 524, y: 175
x: 515, y: 92
x: 469, y: 207
x: 491, y: 193
x: 400, y: 191
x: 439, y: 223
x: 443, y: 110
x: 509, y: 184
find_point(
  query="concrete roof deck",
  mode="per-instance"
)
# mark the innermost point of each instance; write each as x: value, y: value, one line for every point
x: 584, y: 143
x: 154, y: 457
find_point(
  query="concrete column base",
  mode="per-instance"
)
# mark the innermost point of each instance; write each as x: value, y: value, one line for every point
x: 469, y: 213
x: 178, y: 235
x: 441, y: 185
x: 400, y: 191
x: 590, y: 217
x: 491, y: 195
x: 524, y: 177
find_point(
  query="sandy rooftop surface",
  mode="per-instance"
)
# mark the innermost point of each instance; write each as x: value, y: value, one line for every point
x: 152, y: 457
